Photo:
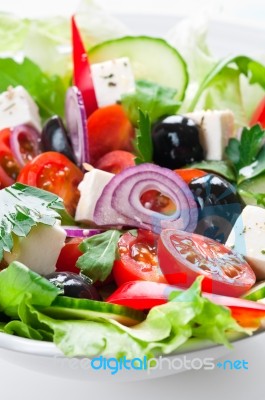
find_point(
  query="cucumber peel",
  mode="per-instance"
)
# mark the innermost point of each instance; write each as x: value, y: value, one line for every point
x: 256, y: 293
x: 70, y: 308
x: 152, y: 59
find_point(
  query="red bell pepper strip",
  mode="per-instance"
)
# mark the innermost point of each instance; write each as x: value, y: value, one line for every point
x: 82, y: 73
x: 143, y: 295
x: 259, y: 115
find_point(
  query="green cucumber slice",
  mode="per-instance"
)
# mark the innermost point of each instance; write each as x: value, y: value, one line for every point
x: 65, y: 307
x: 255, y: 185
x: 256, y: 293
x: 152, y: 59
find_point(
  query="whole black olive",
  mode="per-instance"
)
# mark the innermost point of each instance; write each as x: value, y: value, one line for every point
x: 219, y: 206
x: 74, y: 285
x: 176, y: 142
x: 54, y: 138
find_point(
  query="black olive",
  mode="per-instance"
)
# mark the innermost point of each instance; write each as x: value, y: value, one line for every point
x: 54, y: 138
x: 219, y: 206
x: 176, y: 142
x: 74, y: 285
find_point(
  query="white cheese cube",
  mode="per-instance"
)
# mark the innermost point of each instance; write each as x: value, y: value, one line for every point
x: 217, y: 127
x: 17, y: 107
x: 91, y: 188
x: 39, y: 250
x: 112, y: 79
x: 248, y: 238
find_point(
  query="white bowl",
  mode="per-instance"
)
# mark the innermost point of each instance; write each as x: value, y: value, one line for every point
x: 224, y: 38
x: 45, y: 357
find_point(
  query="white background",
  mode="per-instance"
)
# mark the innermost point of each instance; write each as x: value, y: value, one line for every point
x: 251, y: 11
x: 19, y: 383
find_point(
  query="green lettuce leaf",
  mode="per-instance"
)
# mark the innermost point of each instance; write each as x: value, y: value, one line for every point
x: 151, y: 98
x: 221, y: 86
x: 48, y: 92
x: 47, y: 41
x: 16, y: 281
x: 166, y: 328
x: 21, y: 329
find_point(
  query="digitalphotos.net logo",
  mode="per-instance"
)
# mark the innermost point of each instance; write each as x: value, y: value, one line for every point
x: 146, y: 365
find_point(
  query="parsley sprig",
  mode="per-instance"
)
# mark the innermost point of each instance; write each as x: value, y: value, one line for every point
x: 143, y: 141
x: 249, y: 152
x: 23, y: 207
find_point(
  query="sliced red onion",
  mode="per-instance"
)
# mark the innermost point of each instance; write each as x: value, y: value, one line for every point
x: 76, y: 232
x: 32, y: 136
x: 76, y: 123
x: 120, y: 204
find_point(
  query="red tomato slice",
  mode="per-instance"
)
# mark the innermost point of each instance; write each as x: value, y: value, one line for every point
x: 69, y: 256
x: 55, y: 173
x: 108, y: 129
x: 183, y: 256
x: 115, y: 161
x: 145, y: 295
x: 137, y: 258
x: 259, y: 115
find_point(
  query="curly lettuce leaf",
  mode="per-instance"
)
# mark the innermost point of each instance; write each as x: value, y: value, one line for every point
x: 47, y: 41
x: 166, y: 328
x: 16, y: 281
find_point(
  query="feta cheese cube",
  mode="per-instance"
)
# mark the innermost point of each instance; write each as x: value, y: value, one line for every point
x: 248, y: 238
x: 112, y: 79
x: 40, y: 249
x: 91, y: 188
x: 17, y: 107
x: 217, y: 127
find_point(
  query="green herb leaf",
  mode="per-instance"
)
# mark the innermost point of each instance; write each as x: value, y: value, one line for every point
x: 232, y: 151
x: 99, y: 255
x: 222, y: 168
x: 247, y: 155
x: 143, y: 142
x: 48, y: 92
x: 252, y: 69
x: 23, y: 207
x: 250, y: 144
x: 152, y: 98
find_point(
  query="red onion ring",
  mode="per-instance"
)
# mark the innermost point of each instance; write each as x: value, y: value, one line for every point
x: 119, y: 203
x: 33, y: 137
x: 76, y: 123
x: 76, y: 232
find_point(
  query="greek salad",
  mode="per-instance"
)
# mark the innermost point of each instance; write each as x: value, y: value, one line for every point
x: 132, y: 219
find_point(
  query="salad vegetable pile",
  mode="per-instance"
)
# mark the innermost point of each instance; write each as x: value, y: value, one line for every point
x: 132, y: 177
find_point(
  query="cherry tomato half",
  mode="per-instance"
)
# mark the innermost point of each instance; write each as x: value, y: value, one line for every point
x: 137, y: 258
x: 69, y: 256
x: 55, y: 173
x: 108, y: 129
x: 183, y: 256
x: 115, y: 161
x: 145, y: 295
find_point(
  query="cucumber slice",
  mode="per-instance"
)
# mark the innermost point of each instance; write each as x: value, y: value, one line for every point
x: 256, y: 293
x: 255, y: 185
x: 65, y: 307
x: 151, y: 58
